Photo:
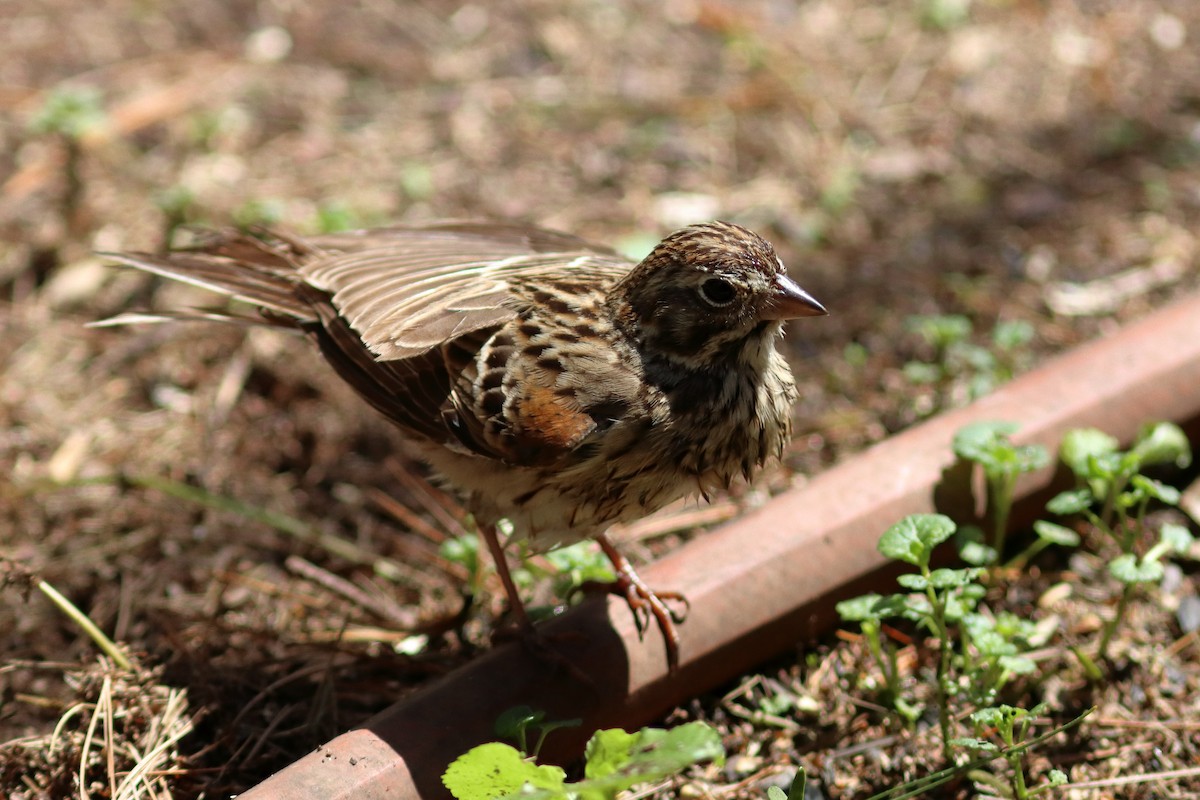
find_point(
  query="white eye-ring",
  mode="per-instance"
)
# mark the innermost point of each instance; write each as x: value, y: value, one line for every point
x: 718, y: 292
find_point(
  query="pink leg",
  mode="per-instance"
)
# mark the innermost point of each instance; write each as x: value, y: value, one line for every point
x: 644, y: 601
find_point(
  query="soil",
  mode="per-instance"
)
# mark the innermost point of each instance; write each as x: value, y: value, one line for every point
x: 254, y: 537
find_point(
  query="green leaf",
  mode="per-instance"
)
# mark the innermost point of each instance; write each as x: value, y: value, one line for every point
x: 978, y: 441
x: 1156, y: 489
x: 858, y: 608
x: 1163, y: 443
x: 919, y: 373
x: 797, y: 789
x: 1056, y: 777
x: 910, y: 711
x: 515, y: 720
x: 1056, y: 534
x: 1074, y: 501
x: 913, y: 538
x: 1177, y: 537
x: 1011, y: 334
x: 462, y: 550
x: 973, y: 743
x: 952, y: 578
x: 71, y: 112
x: 495, y: 770
x: 577, y: 565
x: 911, y: 580
x: 608, y: 751
x: 940, y: 330
x: 1082, y: 444
x: 1018, y: 665
x: 963, y: 602
x: 972, y: 548
x: 651, y: 754
x: 775, y: 793
x: 1032, y: 457
x: 1129, y: 570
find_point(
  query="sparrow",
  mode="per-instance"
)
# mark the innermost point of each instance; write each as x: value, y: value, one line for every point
x: 553, y: 382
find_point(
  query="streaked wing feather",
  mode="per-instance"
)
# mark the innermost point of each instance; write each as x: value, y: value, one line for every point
x: 248, y: 282
x: 403, y: 303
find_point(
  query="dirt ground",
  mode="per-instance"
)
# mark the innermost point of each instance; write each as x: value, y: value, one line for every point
x: 1006, y: 161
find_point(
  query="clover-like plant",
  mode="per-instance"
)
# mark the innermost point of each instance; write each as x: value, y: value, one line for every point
x: 615, y: 761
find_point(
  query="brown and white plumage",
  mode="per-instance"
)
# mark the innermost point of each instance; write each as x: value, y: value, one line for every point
x: 555, y: 382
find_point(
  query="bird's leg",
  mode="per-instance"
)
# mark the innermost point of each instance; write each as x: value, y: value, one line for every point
x: 534, y: 642
x: 645, y: 601
x: 510, y: 588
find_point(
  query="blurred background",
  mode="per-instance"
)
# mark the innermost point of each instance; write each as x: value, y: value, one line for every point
x: 969, y: 187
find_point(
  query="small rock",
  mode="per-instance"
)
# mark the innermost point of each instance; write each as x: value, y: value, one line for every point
x: 1188, y: 614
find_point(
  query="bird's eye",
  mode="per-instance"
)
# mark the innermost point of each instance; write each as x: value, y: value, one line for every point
x: 718, y: 291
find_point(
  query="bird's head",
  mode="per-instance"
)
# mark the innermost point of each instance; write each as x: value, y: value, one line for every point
x: 706, y: 292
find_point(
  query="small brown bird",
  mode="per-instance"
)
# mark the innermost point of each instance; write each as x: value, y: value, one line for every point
x: 556, y: 383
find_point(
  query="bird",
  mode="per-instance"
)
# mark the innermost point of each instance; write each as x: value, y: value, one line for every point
x: 555, y: 383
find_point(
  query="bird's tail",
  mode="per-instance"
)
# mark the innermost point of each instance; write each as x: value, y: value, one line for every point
x: 259, y: 271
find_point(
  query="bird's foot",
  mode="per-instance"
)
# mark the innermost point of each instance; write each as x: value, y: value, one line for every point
x: 644, y: 602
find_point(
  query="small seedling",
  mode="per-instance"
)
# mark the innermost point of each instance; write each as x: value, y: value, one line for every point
x: 941, y: 596
x: 1131, y: 570
x: 959, y: 362
x: 1113, y: 480
x: 70, y: 114
x: 334, y: 215
x: 615, y: 761
x: 1011, y: 724
x: 993, y: 651
x: 988, y: 444
x: 258, y: 212
x: 869, y: 611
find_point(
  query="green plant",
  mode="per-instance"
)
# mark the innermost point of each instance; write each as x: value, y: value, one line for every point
x: 70, y: 114
x: 1011, y: 724
x: 869, y: 611
x: 989, y: 445
x: 615, y: 761
x: 177, y: 203
x: 568, y: 568
x: 335, y: 215
x: 958, y: 366
x: 794, y: 792
x: 258, y: 211
x: 940, y: 597
x: 1113, y: 480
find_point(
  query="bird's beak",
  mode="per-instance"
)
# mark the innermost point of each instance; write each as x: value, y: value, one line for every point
x: 789, y: 301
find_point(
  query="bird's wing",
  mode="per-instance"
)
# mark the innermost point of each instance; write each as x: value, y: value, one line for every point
x: 401, y: 313
x: 406, y: 291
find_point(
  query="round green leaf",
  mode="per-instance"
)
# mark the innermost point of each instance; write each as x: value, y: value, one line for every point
x: 1055, y: 533
x: 1071, y: 502
x: 1129, y: 570
x: 1163, y: 443
x: 913, y: 538
x: 495, y: 770
x: 1083, y: 443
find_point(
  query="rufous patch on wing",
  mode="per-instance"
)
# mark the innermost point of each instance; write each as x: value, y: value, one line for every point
x: 551, y: 424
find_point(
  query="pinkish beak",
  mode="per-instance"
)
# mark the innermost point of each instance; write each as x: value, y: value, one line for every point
x: 789, y: 301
